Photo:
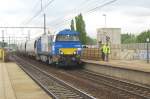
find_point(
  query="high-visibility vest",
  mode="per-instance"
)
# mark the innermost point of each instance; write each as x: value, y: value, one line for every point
x: 104, y: 49
x: 107, y: 49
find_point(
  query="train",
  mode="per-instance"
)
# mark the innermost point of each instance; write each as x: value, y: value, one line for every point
x: 63, y: 49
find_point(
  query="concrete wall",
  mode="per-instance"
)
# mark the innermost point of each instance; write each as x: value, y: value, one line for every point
x: 113, y: 33
x: 115, y: 40
x: 135, y: 51
x: 122, y: 73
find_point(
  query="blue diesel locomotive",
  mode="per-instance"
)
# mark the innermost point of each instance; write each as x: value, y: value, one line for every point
x: 62, y: 49
x: 67, y: 48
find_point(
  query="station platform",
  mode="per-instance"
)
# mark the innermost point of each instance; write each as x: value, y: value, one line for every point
x: 133, y: 71
x: 133, y: 65
x: 15, y: 84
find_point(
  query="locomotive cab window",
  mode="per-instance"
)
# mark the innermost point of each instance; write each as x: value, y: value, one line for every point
x: 67, y: 38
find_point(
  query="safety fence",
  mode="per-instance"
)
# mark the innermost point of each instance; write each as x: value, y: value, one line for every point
x: 135, y: 46
x: 132, y: 46
x: 91, y: 54
x: 124, y: 51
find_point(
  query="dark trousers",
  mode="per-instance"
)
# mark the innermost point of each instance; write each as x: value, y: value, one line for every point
x: 106, y: 57
x: 103, y: 56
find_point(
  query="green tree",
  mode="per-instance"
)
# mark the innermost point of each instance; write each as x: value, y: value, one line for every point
x: 128, y: 38
x: 141, y: 38
x: 80, y: 27
x: 72, y: 25
x: 91, y: 41
x: 49, y: 32
x: 3, y: 44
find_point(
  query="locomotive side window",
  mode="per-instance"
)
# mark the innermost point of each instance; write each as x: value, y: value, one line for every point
x: 35, y: 44
x: 67, y: 38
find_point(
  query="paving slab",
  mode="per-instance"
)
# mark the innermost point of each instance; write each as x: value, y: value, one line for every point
x: 133, y: 65
x: 16, y: 84
x: 133, y: 71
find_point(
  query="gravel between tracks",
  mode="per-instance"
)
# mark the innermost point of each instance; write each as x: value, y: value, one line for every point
x: 53, y: 85
x: 96, y: 86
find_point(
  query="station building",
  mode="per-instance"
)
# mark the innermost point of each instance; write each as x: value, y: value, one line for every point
x: 113, y: 33
x: 111, y: 36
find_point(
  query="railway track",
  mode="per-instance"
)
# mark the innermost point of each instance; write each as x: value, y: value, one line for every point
x: 118, y: 89
x: 88, y: 87
x: 57, y: 88
x: 127, y: 89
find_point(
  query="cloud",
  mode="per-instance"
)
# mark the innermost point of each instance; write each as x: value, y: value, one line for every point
x: 122, y: 13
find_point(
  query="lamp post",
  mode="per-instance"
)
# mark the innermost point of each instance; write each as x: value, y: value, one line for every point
x: 44, y: 15
x: 2, y: 38
x: 105, y: 19
x: 28, y: 34
x: 147, y: 40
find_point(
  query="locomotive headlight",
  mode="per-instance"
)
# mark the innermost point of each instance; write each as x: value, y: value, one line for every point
x: 75, y: 52
x: 79, y: 49
x: 60, y: 52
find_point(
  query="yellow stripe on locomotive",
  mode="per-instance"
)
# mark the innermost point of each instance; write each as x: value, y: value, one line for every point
x: 68, y: 51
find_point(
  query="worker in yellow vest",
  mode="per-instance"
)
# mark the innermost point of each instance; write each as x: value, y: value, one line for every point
x: 103, y: 51
x: 107, y: 52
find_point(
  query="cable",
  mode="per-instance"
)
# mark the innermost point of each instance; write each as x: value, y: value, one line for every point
x: 91, y: 10
x: 38, y: 13
x: 76, y: 10
x: 48, y: 4
x: 84, y: 7
x: 37, y: 2
x: 98, y: 7
x: 76, y: 13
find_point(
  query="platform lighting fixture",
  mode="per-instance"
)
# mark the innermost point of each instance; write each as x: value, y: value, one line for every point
x: 147, y: 40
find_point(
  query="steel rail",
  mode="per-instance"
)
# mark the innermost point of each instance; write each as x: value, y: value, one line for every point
x: 78, y: 92
x: 116, y: 83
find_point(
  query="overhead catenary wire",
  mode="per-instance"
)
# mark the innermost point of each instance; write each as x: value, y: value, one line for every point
x: 75, y: 11
x: 87, y: 11
x: 39, y: 12
x: 96, y: 8
x: 87, y: 6
x: 33, y: 9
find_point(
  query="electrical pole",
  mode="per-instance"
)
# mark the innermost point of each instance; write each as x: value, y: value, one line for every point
x: 105, y: 34
x: 26, y: 39
x: 105, y: 19
x: 147, y: 40
x: 28, y: 34
x: 41, y: 5
x: 44, y: 24
x: 2, y: 38
x: 44, y: 15
x: 9, y: 42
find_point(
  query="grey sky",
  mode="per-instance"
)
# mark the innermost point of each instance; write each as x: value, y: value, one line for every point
x: 132, y: 16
